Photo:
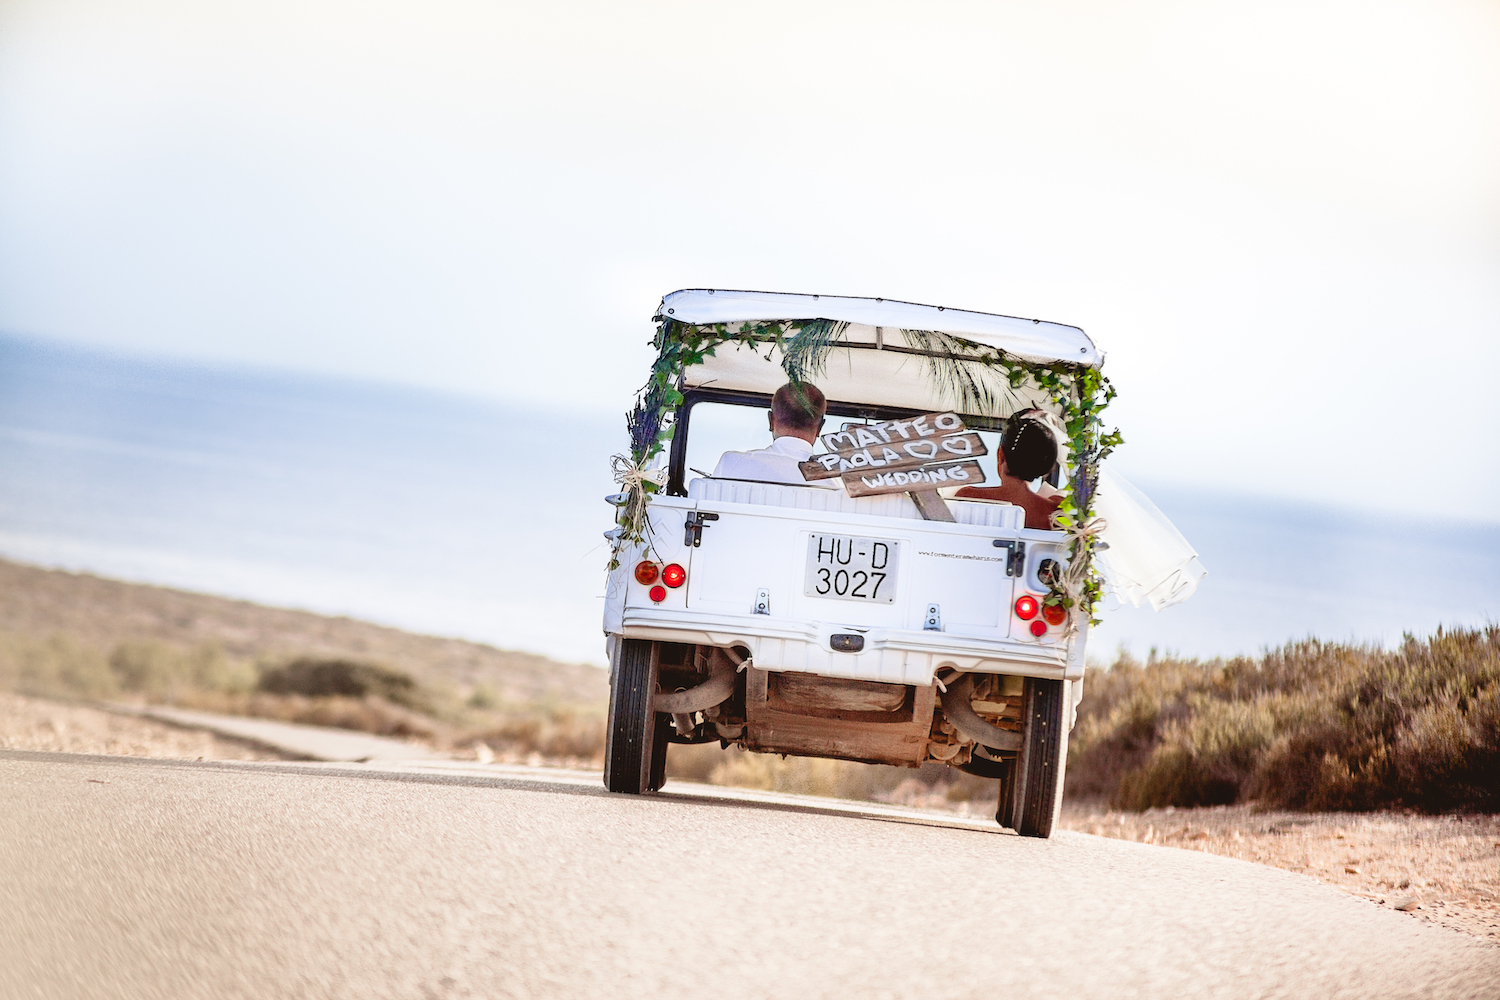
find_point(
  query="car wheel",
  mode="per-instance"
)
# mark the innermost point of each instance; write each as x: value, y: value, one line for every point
x: 664, y: 732
x: 635, y: 732
x: 1035, y: 796
x: 1007, y: 806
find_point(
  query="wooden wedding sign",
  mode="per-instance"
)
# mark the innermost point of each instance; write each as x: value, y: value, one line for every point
x: 915, y: 456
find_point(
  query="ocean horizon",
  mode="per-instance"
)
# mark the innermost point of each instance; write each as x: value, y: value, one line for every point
x: 483, y: 520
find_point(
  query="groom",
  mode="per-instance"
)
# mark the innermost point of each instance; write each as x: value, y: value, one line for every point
x: 796, y: 417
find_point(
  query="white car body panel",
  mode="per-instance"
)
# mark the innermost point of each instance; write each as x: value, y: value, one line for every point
x: 755, y: 546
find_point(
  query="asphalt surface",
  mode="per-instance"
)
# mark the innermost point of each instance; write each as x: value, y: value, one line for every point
x: 124, y: 877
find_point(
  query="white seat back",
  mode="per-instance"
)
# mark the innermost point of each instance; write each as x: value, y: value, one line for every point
x: 980, y: 513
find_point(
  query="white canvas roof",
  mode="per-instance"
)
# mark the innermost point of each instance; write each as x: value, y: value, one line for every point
x: 1032, y: 339
x: 879, y: 369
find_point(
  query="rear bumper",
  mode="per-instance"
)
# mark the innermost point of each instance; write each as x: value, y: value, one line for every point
x: 890, y: 655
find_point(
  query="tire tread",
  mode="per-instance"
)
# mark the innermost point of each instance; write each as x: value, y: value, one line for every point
x: 632, y: 724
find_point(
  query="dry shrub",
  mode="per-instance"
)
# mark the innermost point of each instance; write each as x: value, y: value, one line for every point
x: 840, y: 779
x: 371, y: 699
x: 797, y: 775
x: 165, y: 673
x: 557, y: 732
x: 1452, y: 752
x: 344, y: 678
x: 370, y: 714
x: 1203, y: 758
x: 55, y: 667
x: 1312, y: 725
x: 61, y: 667
x: 696, y: 762
x: 1122, y: 717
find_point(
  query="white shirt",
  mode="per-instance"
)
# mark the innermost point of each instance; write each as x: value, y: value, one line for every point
x: 775, y: 463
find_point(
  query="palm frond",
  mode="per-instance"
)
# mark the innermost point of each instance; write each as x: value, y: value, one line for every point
x: 804, y: 355
x: 971, y: 385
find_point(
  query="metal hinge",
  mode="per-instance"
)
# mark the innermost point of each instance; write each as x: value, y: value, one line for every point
x: 1015, y: 562
x: 762, y: 601
x: 933, y: 621
x: 692, y: 530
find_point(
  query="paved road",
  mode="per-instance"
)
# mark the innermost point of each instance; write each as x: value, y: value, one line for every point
x: 123, y: 877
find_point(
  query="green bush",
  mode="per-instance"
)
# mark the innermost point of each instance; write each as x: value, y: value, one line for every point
x: 1312, y: 725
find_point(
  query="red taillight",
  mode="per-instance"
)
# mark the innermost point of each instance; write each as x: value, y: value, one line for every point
x: 645, y: 572
x: 658, y: 593
x: 1055, y: 614
x: 1026, y: 607
x: 673, y: 575
x: 1039, y: 628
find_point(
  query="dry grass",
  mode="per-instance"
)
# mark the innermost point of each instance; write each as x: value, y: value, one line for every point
x: 1315, y: 726
x: 100, y: 614
x: 931, y: 784
x: 563, y: 735
x: 343, y: 693
x: 75, y: 637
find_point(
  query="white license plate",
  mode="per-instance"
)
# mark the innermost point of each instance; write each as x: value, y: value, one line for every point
x: 852, y: 569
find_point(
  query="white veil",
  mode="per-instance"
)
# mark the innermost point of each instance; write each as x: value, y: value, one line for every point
x: 1148, y: 560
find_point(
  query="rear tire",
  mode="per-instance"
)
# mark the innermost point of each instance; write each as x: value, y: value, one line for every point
x: 634, y: 728
x: 663, y: 740
x: 1004, y: 812
x: 1036, y: 782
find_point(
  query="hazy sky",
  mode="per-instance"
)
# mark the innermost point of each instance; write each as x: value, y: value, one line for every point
x: 1281, y: 220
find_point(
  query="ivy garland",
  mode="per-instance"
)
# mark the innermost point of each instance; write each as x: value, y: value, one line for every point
x: 956, y: 366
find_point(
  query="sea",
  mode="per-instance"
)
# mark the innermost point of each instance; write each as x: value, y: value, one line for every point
x: 484, y: 520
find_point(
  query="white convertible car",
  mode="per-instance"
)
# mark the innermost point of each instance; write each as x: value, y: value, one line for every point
x: 883, y: 620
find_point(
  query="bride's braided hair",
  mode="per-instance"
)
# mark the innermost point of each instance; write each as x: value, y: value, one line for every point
x: 1030, y: 449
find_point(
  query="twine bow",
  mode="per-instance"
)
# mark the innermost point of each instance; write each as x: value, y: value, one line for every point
x: 632, y: 514
x: 1073, y: 579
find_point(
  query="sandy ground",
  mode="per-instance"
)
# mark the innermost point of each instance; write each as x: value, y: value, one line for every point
x: 1440, y: 869
x: 33, y: 724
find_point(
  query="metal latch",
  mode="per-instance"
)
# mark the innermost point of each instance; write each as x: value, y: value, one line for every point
x: 762, y: 602
x: 1015, y: 562
x: 934, y: 620
x: 692, y: 533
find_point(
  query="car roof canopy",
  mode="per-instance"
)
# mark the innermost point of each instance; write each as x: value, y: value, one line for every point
x: 883, y: 351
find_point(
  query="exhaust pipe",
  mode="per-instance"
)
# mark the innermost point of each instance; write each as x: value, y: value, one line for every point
x: 719, y: 686
x: 955, y: 696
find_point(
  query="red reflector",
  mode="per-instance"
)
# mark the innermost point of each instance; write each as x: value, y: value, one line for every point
x: 645, y: 572
x: 1026, y: 607
x: 1055, y: 614
x: 1038, y: 627
x: 658, y: 594
x: 673, y: 575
